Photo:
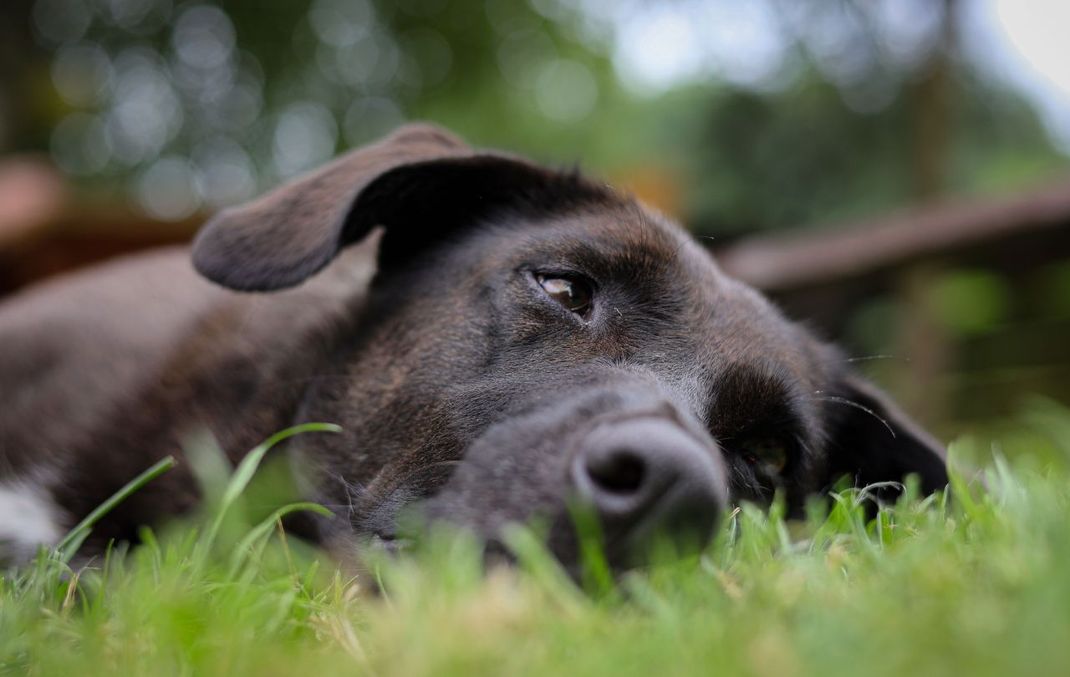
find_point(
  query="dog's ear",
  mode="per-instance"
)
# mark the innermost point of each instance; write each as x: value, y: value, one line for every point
x: 873, y: 441
x: 283, y: 237
x: 420, y: 184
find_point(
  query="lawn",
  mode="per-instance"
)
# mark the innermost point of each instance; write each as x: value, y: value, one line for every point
x: 976, y: 584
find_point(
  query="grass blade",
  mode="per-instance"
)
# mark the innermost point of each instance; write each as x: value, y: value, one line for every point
x: 68, y: 547
x: 262, y: 530
x: 243, y: 474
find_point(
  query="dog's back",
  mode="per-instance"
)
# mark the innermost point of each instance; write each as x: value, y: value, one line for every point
x: 106, y: 371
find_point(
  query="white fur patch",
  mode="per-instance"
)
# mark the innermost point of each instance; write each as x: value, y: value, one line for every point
x: 27, y: 520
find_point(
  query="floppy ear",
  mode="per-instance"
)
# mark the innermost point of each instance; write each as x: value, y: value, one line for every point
x: 420, y: 183
x: 873, y: 441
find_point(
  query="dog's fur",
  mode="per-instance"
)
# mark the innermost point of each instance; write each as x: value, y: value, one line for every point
x: 461, y: 386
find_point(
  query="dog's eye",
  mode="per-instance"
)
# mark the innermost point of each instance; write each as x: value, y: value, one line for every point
x: 573, y: 293
x: 768, y: 454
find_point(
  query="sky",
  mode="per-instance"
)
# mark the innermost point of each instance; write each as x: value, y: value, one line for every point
x: 1026, y: 43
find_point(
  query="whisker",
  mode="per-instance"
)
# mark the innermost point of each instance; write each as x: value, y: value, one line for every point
x: 808, y: 452
x: 353, y: 491
x: 867, y: 358
x: 856, y: 405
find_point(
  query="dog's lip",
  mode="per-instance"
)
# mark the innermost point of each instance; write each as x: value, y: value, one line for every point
x: 388, y: 542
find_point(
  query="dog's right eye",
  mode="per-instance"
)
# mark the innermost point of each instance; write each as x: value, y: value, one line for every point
x: 574, y: 293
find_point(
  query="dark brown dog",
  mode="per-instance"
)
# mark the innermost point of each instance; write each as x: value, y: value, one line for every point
x: 530, y: 338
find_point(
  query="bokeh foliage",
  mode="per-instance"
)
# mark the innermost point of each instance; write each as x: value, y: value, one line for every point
x: 854, y: 108
x: 193, y: 104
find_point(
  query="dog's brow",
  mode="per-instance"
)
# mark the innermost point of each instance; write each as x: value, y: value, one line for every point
x: 625, y: 248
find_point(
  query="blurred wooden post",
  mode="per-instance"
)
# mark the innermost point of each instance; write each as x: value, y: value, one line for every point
x: 922, y: 338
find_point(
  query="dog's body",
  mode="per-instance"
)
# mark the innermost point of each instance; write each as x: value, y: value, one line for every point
x: 519, y: 338
x: 106, y: 371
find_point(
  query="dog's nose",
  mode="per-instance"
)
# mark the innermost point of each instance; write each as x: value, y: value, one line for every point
x: 648, y: 478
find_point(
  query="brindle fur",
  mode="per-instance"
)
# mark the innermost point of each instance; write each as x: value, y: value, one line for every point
x: 458, y: 385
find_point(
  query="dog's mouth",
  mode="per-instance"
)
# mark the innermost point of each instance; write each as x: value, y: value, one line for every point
x: 389, y: 543
x: 636, y: 479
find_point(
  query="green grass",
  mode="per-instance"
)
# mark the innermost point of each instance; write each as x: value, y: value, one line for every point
x: 977, y: 585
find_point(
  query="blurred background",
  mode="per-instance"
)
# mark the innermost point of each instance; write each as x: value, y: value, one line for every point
x: 895, y: 172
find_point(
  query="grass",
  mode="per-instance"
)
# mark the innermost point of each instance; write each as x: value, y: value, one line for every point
x: 978, y: 585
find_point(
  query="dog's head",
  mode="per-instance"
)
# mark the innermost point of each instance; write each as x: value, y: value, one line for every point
x: 534, y: 340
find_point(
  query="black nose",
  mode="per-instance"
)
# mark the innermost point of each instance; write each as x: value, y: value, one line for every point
x: 649, y: 478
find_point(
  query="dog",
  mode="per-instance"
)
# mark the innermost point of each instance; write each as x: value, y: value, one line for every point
x: 499, y: 342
